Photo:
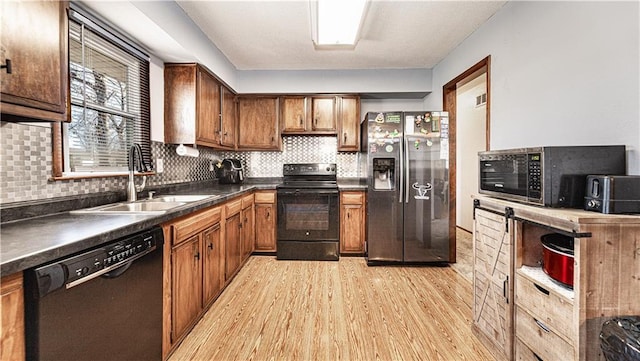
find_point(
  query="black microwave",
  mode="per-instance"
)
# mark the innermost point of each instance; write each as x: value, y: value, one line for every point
x: 547, y: 176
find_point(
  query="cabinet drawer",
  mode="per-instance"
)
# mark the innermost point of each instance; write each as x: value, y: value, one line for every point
x: 185, y: 228
x: 265, y: 197
x: 540, y: 339
x: 523, y: 353
x: 247, y: 201
x: 232, y: 207
x: 352, y: 197
x: 546, y: 305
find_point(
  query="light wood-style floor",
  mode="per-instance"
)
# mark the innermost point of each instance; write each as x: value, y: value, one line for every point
x: 302, y: 310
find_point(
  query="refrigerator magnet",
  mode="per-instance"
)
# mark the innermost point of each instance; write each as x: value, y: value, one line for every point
x: 388, y: 148
x: 379, y: 118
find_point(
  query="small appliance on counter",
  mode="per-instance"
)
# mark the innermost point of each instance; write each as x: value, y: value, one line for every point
x: 612, y: 194
x: 229, y: 171
x: 547, y: 176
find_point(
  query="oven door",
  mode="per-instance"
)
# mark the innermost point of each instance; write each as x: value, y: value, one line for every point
x: 308, y: 215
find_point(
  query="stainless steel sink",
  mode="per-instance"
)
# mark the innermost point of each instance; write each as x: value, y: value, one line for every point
x: 140, y: 207
x: 182, y: 198
x: 158, y: 205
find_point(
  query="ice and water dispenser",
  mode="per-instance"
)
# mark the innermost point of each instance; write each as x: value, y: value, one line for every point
x: 383, y: 177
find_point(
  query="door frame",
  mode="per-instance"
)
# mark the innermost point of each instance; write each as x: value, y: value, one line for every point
x: 449, y: 93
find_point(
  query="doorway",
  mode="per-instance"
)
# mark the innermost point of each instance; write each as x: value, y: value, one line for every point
x: 459, y: 194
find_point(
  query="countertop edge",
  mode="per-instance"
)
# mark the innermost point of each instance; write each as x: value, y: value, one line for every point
x: 129, y: 225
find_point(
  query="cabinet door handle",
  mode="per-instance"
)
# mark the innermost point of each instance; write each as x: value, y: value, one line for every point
x: 541, y: 289
x: 345, y: 137
x: 197, y: 256
x: 349, y: 215
x: 300, y: 119
x: 505, y: 285
x: 268, y: 214
x: 210, y: 246
x: 7, y: 65
x: 542, y: 326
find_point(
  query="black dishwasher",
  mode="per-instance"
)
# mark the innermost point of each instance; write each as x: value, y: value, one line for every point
x: 102, y: 304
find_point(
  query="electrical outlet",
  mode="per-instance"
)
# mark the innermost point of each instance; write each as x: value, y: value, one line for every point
x: 159, y: 165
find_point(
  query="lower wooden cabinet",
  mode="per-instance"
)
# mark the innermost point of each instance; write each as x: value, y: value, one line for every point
x: 248, y: 234
x: 352, y: 222
x: 194, y: 273
x: 12, y: 346
x: 213, y: 263
x: 187, y: 294
x: 232, y: 238
x: 265, y: 221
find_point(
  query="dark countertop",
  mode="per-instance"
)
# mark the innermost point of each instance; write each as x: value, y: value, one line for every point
x: 37, y: 240
x: 352, y: 184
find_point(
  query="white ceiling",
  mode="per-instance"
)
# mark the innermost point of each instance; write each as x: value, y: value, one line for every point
x: 396, y: 34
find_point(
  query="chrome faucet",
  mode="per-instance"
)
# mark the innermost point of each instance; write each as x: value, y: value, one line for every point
x: 136, y: 163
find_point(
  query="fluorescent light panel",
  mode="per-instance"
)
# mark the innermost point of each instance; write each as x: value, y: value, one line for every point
x: 338, y: 22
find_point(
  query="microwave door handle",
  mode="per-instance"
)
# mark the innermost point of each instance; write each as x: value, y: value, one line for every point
x: 408, y: 169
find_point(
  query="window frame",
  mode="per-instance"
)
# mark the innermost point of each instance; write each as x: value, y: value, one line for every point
x: 59, y: 147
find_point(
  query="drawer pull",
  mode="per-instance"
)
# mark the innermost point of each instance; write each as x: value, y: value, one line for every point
x: 542, y: 326
x: 537, y: 357
x: 542, y: 289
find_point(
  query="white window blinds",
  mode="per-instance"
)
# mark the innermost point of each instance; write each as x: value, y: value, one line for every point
x: 109, y: 82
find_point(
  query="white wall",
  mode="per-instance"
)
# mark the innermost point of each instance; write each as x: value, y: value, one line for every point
x: 470, y: 139
x: 156, y: 94
x: 335, y: 81
x: 561, y: 73
x: 176, y: 24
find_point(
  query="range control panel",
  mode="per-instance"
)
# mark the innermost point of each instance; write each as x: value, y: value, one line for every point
x: 309, y: 169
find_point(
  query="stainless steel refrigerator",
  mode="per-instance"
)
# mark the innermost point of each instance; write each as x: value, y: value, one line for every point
x: 408, y: 187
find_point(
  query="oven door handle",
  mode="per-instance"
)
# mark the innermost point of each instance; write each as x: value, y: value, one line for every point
x: 300, y: 191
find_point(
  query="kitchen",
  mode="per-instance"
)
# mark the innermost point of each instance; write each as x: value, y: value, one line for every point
x: 592, y: 68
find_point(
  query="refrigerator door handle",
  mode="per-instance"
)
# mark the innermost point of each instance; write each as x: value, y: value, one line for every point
x: 406, y: 162
x: 401, y: 174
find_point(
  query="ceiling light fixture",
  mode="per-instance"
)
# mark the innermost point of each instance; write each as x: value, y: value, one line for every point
x: 335, y: 24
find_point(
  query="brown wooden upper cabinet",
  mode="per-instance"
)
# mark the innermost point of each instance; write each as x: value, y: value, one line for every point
x: 294, y: 114
x: 308, y: 114
x: 349, y: 123
x: 33, y: 55
x: 229, y: 118
x: 323, y: 114
x: 197, y: 109
x: 258, y: 127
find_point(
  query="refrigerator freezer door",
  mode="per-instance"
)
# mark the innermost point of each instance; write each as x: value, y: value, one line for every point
x: 426, y: 210
x: 384, y: 207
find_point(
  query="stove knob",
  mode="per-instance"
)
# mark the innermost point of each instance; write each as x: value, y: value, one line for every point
x: 328, y: 169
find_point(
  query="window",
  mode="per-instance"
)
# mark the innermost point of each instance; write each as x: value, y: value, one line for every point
x: 109, y: 88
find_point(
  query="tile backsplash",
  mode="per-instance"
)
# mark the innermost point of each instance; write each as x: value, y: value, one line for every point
x: 26, y: 161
